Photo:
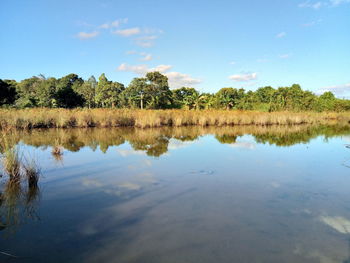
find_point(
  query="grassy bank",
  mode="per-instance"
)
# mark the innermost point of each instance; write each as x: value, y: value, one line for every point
x: 64, y: 118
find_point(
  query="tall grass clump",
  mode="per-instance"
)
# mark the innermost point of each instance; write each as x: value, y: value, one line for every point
x: 10, y: 158
x: 31, y: 172
x: 57, y: 150
x: 11, y: 162
x: 84, y: 118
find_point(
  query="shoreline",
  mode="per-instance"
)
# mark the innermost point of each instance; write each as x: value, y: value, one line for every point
x: 36, y: 118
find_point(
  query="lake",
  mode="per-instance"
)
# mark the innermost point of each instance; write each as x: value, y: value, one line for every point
x: 190, y: 194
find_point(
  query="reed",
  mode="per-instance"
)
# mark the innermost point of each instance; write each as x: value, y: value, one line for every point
x: 65, y: 118
x: 31, y: 171
x: 9, y: 156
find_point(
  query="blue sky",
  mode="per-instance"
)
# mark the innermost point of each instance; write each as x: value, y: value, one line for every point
x: 204, y: 44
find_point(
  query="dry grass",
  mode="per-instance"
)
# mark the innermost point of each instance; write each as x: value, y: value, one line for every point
x: 57, y: 150
x: 31, y: 172
x: 64, y: 118
x: 9, y: 157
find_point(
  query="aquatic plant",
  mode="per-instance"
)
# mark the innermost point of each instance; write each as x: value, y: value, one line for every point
x: 31, y: 172
x: 11, y: 161
x: 57, y: 150
x: 18, y: 196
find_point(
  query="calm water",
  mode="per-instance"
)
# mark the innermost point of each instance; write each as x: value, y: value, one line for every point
x: 239, y: 194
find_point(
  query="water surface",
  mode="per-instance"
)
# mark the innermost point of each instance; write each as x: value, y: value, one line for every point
x: 229, y: 194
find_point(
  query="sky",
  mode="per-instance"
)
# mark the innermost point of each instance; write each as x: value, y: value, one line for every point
x: 203, y: 44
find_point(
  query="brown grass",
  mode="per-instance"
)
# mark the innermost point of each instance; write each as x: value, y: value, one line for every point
x: 64, y: 118
x: 9, y: 157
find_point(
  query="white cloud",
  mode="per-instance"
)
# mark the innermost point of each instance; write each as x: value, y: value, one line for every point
x: 244, y: 77
x: 146, y: 57
x: 280, y: 35
x: 233, y: 63
x: 244, y: 145
x: 338, y: 2
x: 314, y: 5
x: 319, y: 4
x: 128, y: 152
x: 146, y: 41
x: 161, y: 68
x: 145, y: 44
x: 175, y: 144
x: 91, y: 183
x: 147, y: 38
x: 138, y: 69
x: 85, y: 35
x: 143, y: 69
x: 176, y: 79
x: 152, y: 31
x: 285, y: 56
x: 118, y: 22
x: 131, y: 52
x: 115, y: 23
x: 104, y: 26
x: 130, y: 186
x: 338, y: 90
x: 341, y: 224
x: 128, y: 32
x: 312, y: 23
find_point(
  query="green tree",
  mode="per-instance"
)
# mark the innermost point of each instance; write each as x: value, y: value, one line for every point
x: 7, y: 92
x: 67, y: 95
x: 88, y: 91
x: 151, y: 92
x: 158, y: 91
x: 27, y: 91
x: 326, y: 102
x: 185, y: 97
x: 45, y: 94
x: 228, y: 98
x: 107, y: 92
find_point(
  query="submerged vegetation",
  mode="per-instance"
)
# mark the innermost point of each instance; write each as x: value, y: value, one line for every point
x: 83, y: 118
x: 19, y: 190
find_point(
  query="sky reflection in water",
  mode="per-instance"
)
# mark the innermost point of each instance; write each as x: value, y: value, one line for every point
x: 238, y: 194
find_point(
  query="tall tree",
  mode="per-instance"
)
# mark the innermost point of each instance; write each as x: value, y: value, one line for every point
x: 185, y: 97
x: 88, y: 91
x: 107, y: 92
x: 66, y: 91
x: 7, y: 92
x: 229, y: 97
x: 151, y: 92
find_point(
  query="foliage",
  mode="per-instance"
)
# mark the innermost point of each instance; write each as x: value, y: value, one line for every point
x: 153, y: 92
x: 7, y: 92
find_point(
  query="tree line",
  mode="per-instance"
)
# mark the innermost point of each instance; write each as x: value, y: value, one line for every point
x: 153, y: 92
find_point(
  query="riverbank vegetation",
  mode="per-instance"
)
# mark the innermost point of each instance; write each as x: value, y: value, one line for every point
x: 83, y: 118
x: 153, y: 92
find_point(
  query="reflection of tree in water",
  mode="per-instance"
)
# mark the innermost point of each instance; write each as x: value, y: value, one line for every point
x: 154, y: 141
x: 155, y: 147
x: 18, y: 202
x: 289, y: 138
x: 226, y: 138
